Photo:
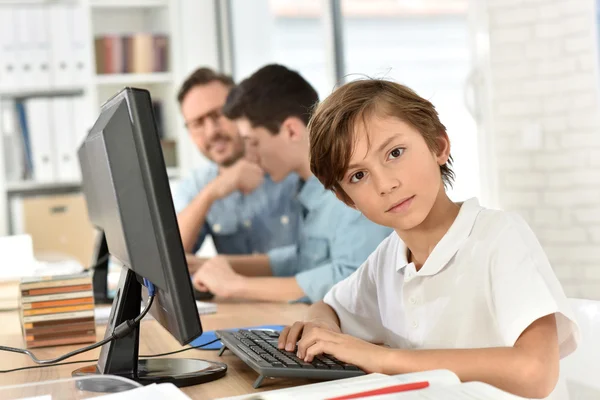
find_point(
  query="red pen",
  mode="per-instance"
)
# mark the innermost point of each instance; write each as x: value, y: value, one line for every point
x: 405, y: 387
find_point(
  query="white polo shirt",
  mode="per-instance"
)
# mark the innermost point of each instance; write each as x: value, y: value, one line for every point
x: 484, y: 283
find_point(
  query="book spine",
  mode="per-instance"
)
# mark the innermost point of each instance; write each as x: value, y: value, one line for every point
x: 57, y: 317
x: 59, y: 296
x: 57, y: 310
x: 55, y: 290
x: 55, y: 283
x: 58, y: 303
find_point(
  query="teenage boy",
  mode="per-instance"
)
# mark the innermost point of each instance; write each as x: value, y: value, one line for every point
x: 271, y: 109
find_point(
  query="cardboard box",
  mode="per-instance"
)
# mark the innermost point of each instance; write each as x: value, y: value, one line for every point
x: 59, y: 227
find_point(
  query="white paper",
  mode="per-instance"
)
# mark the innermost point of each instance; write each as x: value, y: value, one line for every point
x: 342, y: 387
x: 151, y: 392
x: 17, y: 255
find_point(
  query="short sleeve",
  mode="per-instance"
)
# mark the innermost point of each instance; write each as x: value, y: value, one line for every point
x: 355, y: 302
x: 525, y: 288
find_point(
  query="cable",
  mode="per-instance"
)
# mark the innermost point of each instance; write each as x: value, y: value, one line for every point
x: 95, y: 360
x: 98, y: 262
x: 120, y: 331
x: 181, y: 350
x: 6, y: 371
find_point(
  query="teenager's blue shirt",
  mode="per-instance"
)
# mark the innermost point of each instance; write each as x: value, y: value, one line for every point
x: 334, y: 241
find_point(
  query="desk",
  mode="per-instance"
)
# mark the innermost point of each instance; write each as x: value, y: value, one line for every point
x: 154, y: 339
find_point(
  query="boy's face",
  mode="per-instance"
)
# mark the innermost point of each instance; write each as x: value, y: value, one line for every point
x: 268, y: 150
x: 215, y: 136
x: 395, y: 179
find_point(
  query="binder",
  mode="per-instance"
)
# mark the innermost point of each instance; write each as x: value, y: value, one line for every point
x: 41, y: 138
x: 24, y: 48
x: 13, y: 148
x: 40, y: 47
x: 64, y: 135
x: 79, y: 38
x: 62, y: 66
x: 8, y: 39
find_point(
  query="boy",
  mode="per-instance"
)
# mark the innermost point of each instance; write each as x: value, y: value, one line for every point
x: 230, y: 198
x: 271, y: 110
x: 457, y: 286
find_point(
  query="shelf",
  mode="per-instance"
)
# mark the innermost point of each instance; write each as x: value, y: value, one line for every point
x: 33, y: 187
x: 30, y: 93
x: 133, y: 79
x: 128, y: 3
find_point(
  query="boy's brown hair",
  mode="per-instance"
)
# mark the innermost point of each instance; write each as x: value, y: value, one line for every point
x: 334, y: 122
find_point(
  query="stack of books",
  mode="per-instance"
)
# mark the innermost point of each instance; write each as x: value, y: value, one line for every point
x: 138, y: 53
x: 57, y: 310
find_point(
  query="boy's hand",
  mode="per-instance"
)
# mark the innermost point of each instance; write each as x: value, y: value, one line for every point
x: 291, y: 334
x: 217, y: 276
x: 367, y: 356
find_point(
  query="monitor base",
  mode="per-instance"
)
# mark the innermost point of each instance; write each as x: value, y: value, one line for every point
x: 178, y: 371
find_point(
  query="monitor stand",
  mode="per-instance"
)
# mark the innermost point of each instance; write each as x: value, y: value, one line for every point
x: 120, y: 357
x: 100, y: 276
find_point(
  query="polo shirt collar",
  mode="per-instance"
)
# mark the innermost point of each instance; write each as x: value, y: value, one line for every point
x: 450, y: 243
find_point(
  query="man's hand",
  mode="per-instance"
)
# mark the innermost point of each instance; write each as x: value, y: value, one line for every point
x: 367, y: 356
x: 217, y: 276
x: 194, y: 263
x: 244, y: 176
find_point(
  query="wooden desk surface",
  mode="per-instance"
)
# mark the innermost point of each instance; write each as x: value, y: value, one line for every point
x: 154, y: 339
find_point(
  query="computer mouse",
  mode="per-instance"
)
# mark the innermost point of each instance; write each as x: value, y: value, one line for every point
x: 198, y: 295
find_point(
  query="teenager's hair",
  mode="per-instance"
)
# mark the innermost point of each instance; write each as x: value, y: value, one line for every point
x: 270, y: 96
x: 334, y: 122
x: 202, y: 76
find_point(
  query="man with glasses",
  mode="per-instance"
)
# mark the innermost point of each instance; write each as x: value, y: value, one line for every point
x: 231, y: 199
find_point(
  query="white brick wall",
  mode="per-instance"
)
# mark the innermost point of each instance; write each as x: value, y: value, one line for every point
x: 544, y: 61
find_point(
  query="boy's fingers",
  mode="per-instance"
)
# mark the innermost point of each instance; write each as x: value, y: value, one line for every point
x: 293, y: 335
x: 314, y: 335
x: 283, y: 337
x: 317, y: 348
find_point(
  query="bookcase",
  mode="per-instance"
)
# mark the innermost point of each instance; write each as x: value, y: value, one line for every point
x: 52, y: 84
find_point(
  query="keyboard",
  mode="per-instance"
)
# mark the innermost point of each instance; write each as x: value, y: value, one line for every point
x: 258, y: 349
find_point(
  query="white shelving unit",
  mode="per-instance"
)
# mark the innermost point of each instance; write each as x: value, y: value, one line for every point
x: 107, y: 17
x: 134, y: 79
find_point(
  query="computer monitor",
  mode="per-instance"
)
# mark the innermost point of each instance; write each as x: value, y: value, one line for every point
x: 128, y: 197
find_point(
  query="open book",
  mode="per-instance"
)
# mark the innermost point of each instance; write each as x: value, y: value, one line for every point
x: 438, y: 384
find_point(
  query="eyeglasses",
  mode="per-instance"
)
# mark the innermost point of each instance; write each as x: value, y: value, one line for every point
x: 199, y: 124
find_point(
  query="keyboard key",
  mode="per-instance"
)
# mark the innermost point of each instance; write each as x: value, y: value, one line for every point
x: 335, y: 366
x: 350, y: 367
x: 253, y: 356
x: 258, y: 350
x: 319, y: 365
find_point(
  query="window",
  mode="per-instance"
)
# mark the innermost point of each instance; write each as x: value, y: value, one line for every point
x: 423, y: 44
x: 289, y: 32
